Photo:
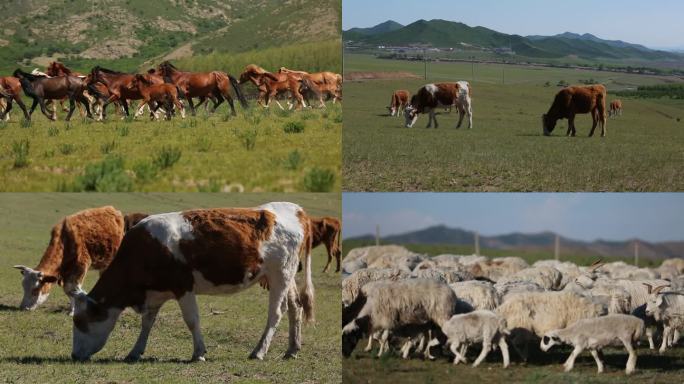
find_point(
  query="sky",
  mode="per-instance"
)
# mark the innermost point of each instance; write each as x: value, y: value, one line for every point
x: 655, y: 23
x: 583, y: 216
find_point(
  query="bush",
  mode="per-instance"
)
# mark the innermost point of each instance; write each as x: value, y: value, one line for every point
x: 107, y: 147
x: 66, y: 149
x: 53, y: 131
x: 319, y: 180
x: 294, y: 160
x: 108, y: 175
x: 20, y: 150
x: 145, y: 171
x: 123, y: 130
x: 248, y: 139
x: 166, y: 157
x: 294, y: 127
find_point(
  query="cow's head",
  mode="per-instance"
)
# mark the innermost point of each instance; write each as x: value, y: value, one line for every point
x: 549, y: 340
x: 36, y: 287
x: 411, y: 115
x: 548, y: 124
x: 93, y: 322
x: 655, y: 303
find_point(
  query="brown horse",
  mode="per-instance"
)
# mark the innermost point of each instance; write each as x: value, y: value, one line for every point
x: 119, y: 87
x: 327, y: 82
x: 271, y: 84
x: 41, y: 88
x: 157, y: 95
x: 11, y: 91
x: 203, y: 84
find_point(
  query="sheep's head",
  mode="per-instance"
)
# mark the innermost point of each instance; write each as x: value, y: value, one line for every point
x: 655, y: 304
x: 549, y: 340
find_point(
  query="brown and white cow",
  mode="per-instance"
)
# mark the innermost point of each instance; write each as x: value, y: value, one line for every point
x: 431, y: 96
x: 206, y: 251
x: 615, y: 108
x: 132, y: 219
x: 86, y: 239
x: 399, y: 101
x: 575, y: 100
x: 326, y: 230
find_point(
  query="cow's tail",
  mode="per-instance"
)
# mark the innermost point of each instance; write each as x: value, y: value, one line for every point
x: 238, y: 91
x: 306, y: 294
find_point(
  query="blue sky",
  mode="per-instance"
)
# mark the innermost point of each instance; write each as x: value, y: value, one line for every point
x: 655, y: 23
x: 583, y: 216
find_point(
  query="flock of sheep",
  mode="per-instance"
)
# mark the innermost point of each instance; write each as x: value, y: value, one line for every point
x: 399, y: 298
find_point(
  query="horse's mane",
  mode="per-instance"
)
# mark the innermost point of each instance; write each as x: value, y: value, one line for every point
x: 168, y: 64
x: 27, y: 76
x: 61, y: 66
x: 105, y: 70
x: 255, y: 68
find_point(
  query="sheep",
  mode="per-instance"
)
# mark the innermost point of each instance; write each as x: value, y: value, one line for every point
x: 596, y: 333
x: 676, y: 263
x: 479, y: 294
x: 503, y: 290
x: 446, y: 275
x: 352, y: 284
x: 548, y: 278
x: 668, y: 308
x: 384, y: 256
x: 568, y: 269
x: 476, y: 327
x: 390, y: 305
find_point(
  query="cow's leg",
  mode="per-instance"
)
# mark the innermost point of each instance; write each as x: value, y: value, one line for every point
x: 278, y: 289
x: 603, y: 120
x: 461, y: 113
x: 571, y: 126
x: 599, y: 363
x: 330, y: 256
x: 188, y: 305
x: 431, y: 116
x: 570, y: 362
x: 148, y: 318
x: 469, y: 110
x: 294, y: 313
x: 594, y: 121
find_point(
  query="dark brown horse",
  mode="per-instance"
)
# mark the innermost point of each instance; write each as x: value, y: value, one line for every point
x: 41, y: 88
x: 11, y: 91
x: 203, y: 84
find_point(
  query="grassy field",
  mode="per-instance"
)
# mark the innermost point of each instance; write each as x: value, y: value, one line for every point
x: 259, y: 150
x: 35, y: 346
x: 505, y: 150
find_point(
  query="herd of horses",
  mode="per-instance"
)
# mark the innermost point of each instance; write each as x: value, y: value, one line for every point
x: 164, y: 87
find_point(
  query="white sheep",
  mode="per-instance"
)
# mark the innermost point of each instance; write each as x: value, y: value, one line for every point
x: 596, y: 333
x: 352, y: 284
x: 479, y: 294
x: 503, y: 290
x: 476, y: 327
x: 668, y: 308
x: 548, y: 278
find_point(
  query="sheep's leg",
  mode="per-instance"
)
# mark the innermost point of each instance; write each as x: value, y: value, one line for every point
x: 666, y: 335
x: 454, y: 350
x: 599, y: 363
x: 504, y: 352
x: 384, y: 344
x: 406, y: 349
x: 431, y: 343
x: 649, y: 336
x: 486, y: 347
x: 464, y: 353
x: 370, y: 343
x: 570, y: 362
x: 421, y: 343
x: 675, y: 337
x: 631, y: 361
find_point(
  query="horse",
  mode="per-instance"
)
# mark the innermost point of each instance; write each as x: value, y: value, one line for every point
x: 41, y: 88
x: 54, y: 69
x: 270, y: 85
x: 160, y: 94
x: 119, y: 87
x: 11, y: 91
x: 203, y: 84
x: 327, y: 82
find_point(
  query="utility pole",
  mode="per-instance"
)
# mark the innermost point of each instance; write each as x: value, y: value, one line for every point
x: 556, y: 251
x: 636, y: 253
x: 503, y: 74
x: 477, y: 243
x: 472, y: 68
x: 424, y: 64
x: 377, y: 234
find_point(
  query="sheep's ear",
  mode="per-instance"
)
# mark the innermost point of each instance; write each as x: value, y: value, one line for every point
x: 48, y: 279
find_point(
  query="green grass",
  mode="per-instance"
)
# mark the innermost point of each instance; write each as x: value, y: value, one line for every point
x: 251, y: 150
x: 36, y: 345
x: 505, y: 151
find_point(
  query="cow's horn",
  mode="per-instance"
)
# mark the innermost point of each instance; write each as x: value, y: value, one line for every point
x: 21, y: 267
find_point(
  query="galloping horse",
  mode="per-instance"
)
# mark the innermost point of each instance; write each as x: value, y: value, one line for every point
x: 271, y: 84
x: 119, y: 86
x: 59, y: 69
x: 164, y: 94
x: 203, y: 84
x: 11, y: 91
x: 41, y: 88
x: 327, y: 82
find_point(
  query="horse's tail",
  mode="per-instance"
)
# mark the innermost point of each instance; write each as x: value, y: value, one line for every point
x: 25, y: 81
x: 92, y: 89
x: 238, y: 91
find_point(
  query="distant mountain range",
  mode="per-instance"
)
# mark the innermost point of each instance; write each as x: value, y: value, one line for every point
x: 444, y: 235
x: 450, y: 34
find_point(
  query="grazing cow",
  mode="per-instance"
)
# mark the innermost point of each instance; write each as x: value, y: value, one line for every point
x: 573, y: 100
x: 398, y: 102
x: 205, y: 251
x: 431, y: 96
x: 132, y: 219
x: 326, y: 230
x: 86, y: 239
x: 615, y: 108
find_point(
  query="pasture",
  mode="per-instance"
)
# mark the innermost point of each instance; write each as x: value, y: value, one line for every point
x: 505, y: 150
x: 36, y: 345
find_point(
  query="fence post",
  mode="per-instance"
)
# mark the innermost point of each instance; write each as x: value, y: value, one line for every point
x: 477, y: 243
x: 377, y: 235
x: 636, y: 253
x: 556, y: 250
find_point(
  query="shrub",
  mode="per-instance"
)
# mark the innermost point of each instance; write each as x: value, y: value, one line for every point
x: 107, y: 147
x: 20, y: 150
x: 53, y: 131
x: 293, y: 161
x: 66, y: 149
x: 107, y: 175
x: 294, y: 127
x: 248, y: 139
x: 145, y: 171
x: 319, y: 180
x: 166, y: 157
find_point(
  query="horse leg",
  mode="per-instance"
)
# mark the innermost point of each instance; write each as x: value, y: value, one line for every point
x: 82, y: 99
x: 21, y: 104
x: 72, y: 107
x: 180, y: 107
x: 4, y: 115
x: 43, y: 109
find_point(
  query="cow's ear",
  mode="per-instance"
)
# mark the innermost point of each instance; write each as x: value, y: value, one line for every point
x: 48, y: 279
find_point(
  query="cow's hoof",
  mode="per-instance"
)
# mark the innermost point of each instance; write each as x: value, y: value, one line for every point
x: 132, y: 358
x: 290, y: 355
x: 197, y: 358
x: 256, y: 356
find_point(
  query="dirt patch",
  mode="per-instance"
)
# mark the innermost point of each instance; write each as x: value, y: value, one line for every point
x: 184, y: 50
x: 175, y: 26
x: 4, y: 43
x: 361, y: 76
x: 112, y: 49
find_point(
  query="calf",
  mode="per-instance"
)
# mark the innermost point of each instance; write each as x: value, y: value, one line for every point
x: 89, y: 238
x: 398, y: 102
x: 615, y: 108
x: 575, y: 100
x: 207, y: 251
x: 432, y: 96
x: 326, y: 230
x: 157, y: 95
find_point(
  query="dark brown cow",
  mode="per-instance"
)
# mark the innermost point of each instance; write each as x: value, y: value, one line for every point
x: 615, y: 108
x: 399, y: 101
x: 207, y: 251
x: 86, y: 239
x: 575, y: 100
x: 326, y: 230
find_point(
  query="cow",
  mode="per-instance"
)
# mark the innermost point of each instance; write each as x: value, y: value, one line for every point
x: 431, y: 96
x: 615, y: 108
x: 573, y: 100
x: 86, y: 239
x: 132, y: 219
x: 205, y: 251
x: 398, y: 102
x: 326, y: 230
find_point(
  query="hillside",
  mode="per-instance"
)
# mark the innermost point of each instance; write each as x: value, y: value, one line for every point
x: 443, y: 235
x: 449, y: 34
x: 128, y: 34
